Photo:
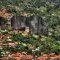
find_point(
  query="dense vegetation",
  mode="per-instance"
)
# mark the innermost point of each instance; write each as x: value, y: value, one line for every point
x: 50, y: 12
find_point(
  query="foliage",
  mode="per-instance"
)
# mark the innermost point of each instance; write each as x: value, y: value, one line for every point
x: 31, y: 44
x: 50, y: 13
